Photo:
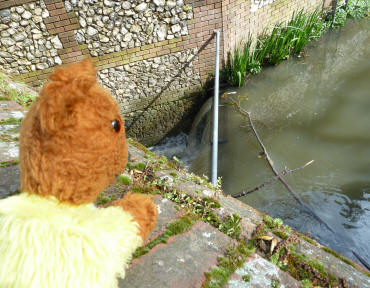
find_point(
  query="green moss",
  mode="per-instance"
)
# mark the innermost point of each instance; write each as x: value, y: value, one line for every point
x: 9, y: 163
x: 8, y: 138
x: 143, y: 189
x: 102, y: 199
x: 211, y: 202
x: 306, y: 283
x: 11, y: 121
x: 275, y: 283
x: 124, y: 179
x: 234, y: 258
x: 345, y: 260
x: 138, y: 145
x: 298, y: 267
x: 280, y: 233
x: 272, y: 223
x: 174, y: 228
x: 136, y: 166
x: 246, y: 278
x: 306, y: 238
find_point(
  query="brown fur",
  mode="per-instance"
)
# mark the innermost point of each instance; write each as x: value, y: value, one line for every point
x: 68, y: 148
x: 144, y: 214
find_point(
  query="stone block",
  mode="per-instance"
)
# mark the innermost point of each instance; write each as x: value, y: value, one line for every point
x: 181, y: 262
x: 262, y: 274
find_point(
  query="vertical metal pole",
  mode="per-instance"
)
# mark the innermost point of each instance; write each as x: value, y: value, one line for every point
x: 215, y: 113
x: 333, y: 13
x: 345, y: 6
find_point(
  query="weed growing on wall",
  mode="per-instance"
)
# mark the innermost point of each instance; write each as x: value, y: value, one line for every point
x: 285, y: 39
x: 7, y: 92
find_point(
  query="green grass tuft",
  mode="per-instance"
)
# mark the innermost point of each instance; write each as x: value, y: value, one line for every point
x: 124, y: 179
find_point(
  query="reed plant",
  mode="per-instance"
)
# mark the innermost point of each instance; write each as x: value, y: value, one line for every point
x: 272, y: 47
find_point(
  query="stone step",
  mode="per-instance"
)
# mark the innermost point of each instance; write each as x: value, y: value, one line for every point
x: 9, y: 180
x: 182, y: 262
x: 260, y: 273
x: 9, y: 149
x: 167, y: 213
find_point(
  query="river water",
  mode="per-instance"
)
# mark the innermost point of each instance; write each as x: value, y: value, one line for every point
x: 312, y: 108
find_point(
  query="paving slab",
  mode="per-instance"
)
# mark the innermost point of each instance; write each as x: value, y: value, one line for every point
x: 333, y: 265
x: 10, y: 109
x: 167, y: 213
x: 234, y: 206
x: 262, y: 274
x: 9, y: 180
x: 9, y: 149
x: 181, y: 262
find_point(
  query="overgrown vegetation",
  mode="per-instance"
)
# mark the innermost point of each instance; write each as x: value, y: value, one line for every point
x: 7, y: 92
x: 234, y: 258
x: 286, y: 39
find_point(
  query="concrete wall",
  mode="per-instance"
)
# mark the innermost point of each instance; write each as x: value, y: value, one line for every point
x: 154, y: 55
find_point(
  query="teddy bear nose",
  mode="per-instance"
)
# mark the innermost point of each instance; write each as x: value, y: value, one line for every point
x: 116, y: 125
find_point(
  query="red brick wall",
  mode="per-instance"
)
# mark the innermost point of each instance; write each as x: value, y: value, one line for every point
x: 232, y: 17
x: 239, y: 22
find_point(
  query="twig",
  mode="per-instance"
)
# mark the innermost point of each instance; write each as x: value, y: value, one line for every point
x: 282, y: 173
x: 270, y: 162
x: 304, y: 206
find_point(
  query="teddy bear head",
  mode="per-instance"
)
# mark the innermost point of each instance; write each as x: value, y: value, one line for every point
x: 72, y: 142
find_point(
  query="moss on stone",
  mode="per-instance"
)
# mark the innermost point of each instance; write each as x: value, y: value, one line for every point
x: 234, y: 258
x: 136, y: 166
x: 138, y: 145
x: 306, y: 238
x: 124, y: 179
x: 246, y: 278
x: 272, y: 223
x: 344, y: 259
x: 302, y: 268
x: 9, y: 163
x: 174, y: 228
x: 280, y: 233
x: 8, y: 138
x: 11, y: 121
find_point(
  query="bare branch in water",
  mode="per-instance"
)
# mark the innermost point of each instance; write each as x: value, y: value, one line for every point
x: 271, y: 164
x: 282, y: 173
x: 287, y: 186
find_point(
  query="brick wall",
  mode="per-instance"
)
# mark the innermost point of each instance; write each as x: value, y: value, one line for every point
x: 235, y: 18
x: 240, y: 22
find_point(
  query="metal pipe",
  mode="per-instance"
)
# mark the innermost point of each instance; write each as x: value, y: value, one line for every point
x: 215, y: 113
x: 333, y: 13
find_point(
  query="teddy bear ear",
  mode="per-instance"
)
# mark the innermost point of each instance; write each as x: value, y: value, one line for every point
x: 81, y: 75
x: 68, y: 86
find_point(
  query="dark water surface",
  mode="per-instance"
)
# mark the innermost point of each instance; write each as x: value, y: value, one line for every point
x: 313, y: 108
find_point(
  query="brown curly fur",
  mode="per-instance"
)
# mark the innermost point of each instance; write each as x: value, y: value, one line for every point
x: 144, y: 214
x: 68, y: 148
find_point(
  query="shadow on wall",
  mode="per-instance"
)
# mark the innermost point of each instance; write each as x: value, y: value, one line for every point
x: 131, y: 125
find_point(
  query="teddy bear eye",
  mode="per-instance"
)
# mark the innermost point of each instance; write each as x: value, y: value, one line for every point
x: 116, y: 125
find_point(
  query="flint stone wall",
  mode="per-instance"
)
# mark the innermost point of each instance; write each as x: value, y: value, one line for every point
x: 153, y: 55
x: 26, y: 44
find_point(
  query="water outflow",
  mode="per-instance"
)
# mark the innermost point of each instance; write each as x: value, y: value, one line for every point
x: 312, y: 108
x: 187, y: 147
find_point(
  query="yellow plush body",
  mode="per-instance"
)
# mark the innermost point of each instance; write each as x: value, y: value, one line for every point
x: 45, y: 243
